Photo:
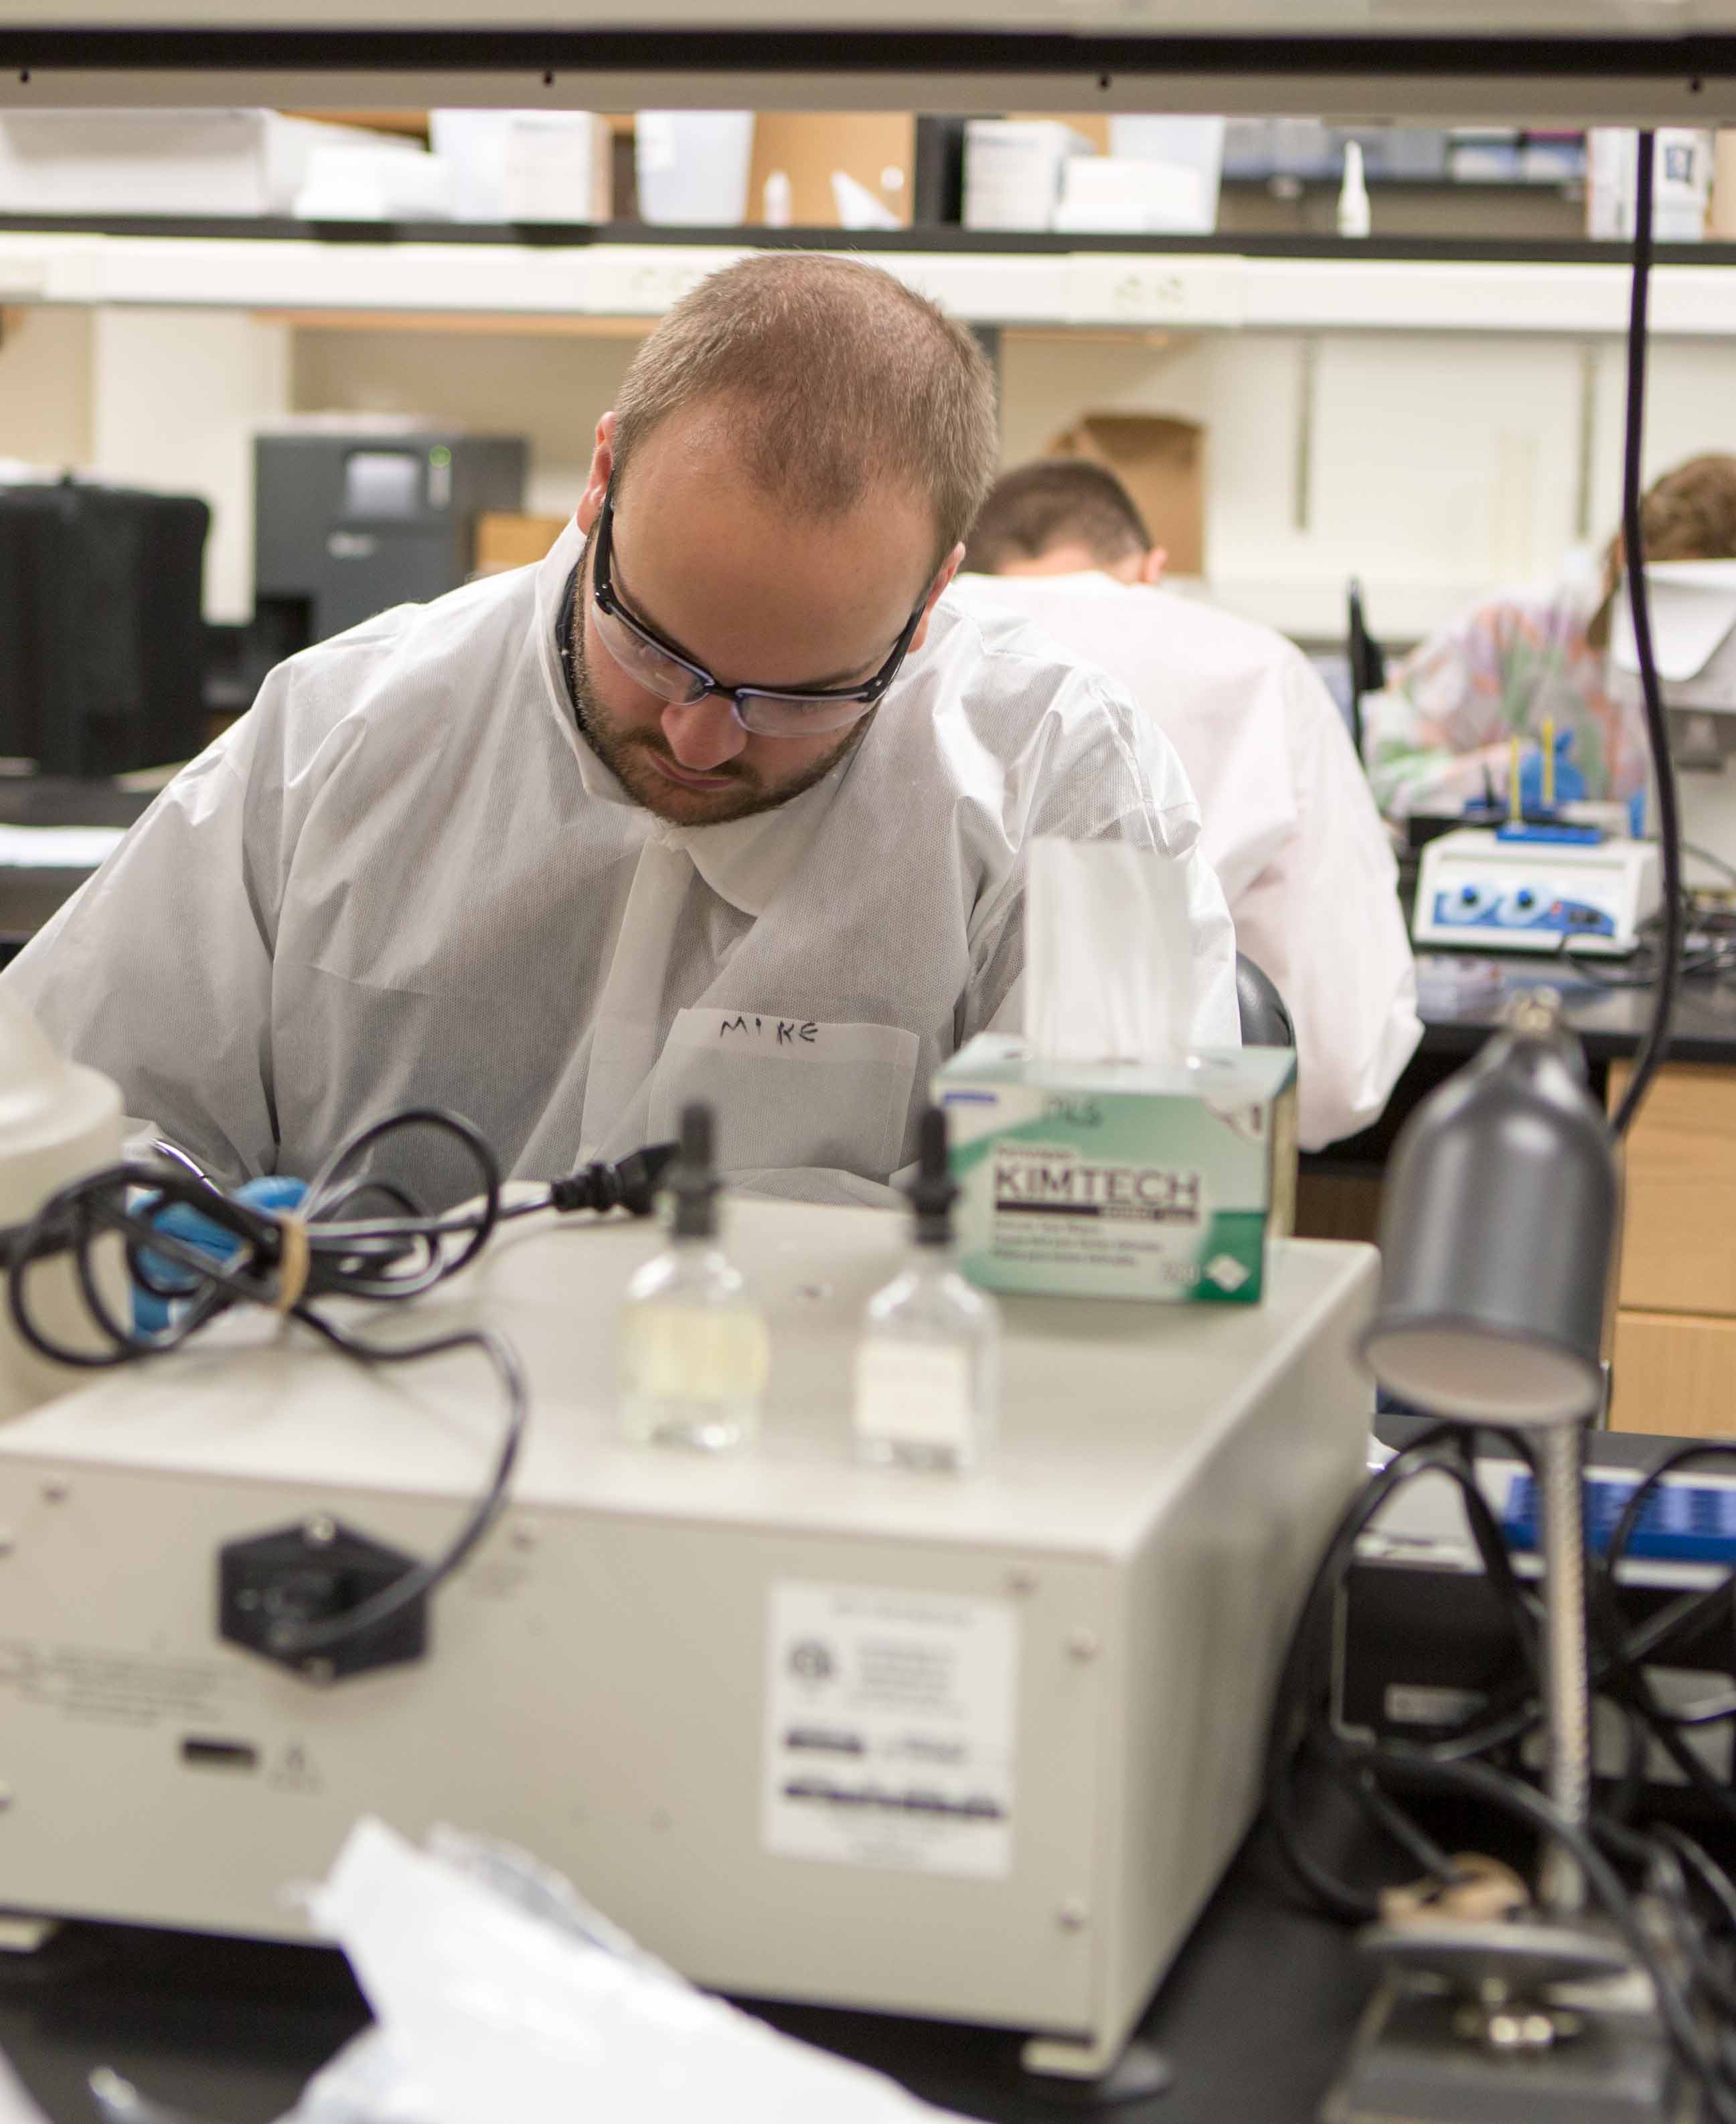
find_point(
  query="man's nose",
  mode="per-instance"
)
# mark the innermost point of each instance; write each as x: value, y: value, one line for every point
x: 704, y: 735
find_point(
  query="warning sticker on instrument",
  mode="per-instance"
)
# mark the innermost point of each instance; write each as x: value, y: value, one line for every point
x: 889, y: 1729
x: 107, y: 1686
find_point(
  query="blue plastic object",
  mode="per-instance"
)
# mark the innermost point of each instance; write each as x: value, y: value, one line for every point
x: 1551, y: 831
x: 273, y: 1191
x: 1681, y: 1522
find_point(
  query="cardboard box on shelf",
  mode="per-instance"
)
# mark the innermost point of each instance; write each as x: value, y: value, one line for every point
x: 876, y: 148
x: 505, y: 540
x: 1161, y: 462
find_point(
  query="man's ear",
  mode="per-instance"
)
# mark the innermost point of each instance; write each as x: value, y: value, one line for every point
x: 1156, y: 561
x: 949, y: 568
x: 596, y: 483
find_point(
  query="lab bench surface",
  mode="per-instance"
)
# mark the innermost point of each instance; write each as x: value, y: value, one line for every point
x: 31, y: 893
x: 1252, y: 2021
x: 1610, y: 1020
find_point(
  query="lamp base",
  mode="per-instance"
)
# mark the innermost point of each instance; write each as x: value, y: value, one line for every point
x: 1421, y: 2057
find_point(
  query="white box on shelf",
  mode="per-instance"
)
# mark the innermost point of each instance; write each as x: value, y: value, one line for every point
x: 1013, y: 171
x: 692, y: 166
x: 526, y: 166
x: 368, y: 181
x: 1681, y: 177
x: 247, y: 163
x: 1106, y: 193
x: 1195, y: 145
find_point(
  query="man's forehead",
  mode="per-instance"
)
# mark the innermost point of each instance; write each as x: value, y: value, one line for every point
x: 706, y: 555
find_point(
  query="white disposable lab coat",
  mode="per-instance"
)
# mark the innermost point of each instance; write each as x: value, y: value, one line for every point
x: 403, y: 877
x: 1289, y: 824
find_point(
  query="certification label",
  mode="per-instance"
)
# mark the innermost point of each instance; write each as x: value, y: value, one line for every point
x: 889, y: 1729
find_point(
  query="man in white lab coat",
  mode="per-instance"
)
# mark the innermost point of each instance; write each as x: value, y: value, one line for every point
x: 719, y: 801
x: 1289, y: 824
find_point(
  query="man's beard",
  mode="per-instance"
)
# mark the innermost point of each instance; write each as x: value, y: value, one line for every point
x: 624, y: 753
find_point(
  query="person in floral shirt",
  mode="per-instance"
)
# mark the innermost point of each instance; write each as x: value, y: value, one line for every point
x: 1439, y: 733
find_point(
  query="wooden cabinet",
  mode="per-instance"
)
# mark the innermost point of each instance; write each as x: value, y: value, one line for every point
x: 1675, y: 1372
x: 1675, y: 1337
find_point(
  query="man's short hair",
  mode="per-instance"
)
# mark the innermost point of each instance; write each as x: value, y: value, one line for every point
x: 1056, y: 501
x: 832, y: 377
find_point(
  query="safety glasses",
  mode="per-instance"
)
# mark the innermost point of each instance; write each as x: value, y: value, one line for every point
x: 771, y: 711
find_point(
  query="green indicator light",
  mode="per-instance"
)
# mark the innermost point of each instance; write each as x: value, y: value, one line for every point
x: 440, y: 455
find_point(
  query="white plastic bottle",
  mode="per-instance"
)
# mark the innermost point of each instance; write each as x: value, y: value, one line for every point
x: 1354, y: 219
x: 778, y: 199
x: 928, y: 1367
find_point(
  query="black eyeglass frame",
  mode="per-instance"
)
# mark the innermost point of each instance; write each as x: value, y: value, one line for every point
x: 862, y: 698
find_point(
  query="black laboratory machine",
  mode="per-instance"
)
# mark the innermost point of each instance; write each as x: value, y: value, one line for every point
x: 101, y: 640
x: 346, y: 525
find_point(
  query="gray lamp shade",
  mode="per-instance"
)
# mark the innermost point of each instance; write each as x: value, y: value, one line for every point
x: 1496, y: 1233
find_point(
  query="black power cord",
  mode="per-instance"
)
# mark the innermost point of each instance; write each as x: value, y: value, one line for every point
x: 1692, y: 1972
x: 1657, y: 738
x: 387, y: 1259
x: 287, y: 1261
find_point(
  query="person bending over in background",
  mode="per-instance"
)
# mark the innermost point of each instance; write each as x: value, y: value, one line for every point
x: 1288, y: 823
x: 1439, y: 735
x: 1063, y: 516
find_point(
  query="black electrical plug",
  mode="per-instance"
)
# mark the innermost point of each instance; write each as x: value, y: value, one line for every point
x: 631, y: 1185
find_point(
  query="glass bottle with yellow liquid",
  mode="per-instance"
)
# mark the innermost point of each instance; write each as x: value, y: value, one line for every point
x: 693, y: 1351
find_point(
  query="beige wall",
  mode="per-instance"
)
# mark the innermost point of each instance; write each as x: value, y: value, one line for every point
x: 547, y: 386
x: 175, y: 396
x: 45, y: 386
x: 1439, y: 466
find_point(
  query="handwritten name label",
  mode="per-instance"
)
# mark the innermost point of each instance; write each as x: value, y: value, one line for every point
x: 775, y: 1031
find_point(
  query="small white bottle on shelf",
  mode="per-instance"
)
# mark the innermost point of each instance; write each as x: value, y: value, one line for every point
x: 928, y: 1367
x: 694, y: 1350
x: 1353, y: 216
x: 778, y: 200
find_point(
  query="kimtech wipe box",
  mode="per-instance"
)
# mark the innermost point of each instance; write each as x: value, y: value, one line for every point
x: 1144, y: 1180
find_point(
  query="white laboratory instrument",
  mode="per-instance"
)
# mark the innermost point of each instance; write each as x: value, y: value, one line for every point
x: 1693, y: 612
x: 975, y: 1747
x: 1476, y: 888
x: 58, y: 1122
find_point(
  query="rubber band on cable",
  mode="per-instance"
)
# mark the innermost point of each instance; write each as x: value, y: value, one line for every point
x: 294, y: 1261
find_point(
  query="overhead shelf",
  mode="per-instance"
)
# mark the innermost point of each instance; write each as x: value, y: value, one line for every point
x: 1271, y: 284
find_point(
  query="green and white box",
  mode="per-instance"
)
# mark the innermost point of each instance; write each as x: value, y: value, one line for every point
x: 1120, y: 1179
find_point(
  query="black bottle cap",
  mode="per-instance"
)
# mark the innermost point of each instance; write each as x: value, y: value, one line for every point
x: 693, y: 1180
x: 934, y: 1190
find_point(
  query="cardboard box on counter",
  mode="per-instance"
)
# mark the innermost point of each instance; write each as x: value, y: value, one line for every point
x: 505, y: 540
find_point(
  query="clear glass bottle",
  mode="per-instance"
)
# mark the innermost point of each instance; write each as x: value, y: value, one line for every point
x: 693, y: 1351
x: 928, y: 1367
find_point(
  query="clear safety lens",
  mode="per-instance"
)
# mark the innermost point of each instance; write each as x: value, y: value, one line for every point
x: 658, y: 671
x: 796, y: 715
